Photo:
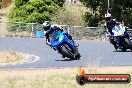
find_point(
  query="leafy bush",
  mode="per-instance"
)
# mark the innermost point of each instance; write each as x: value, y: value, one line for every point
x: 91, y: 20
x: 0, y: 4
x: 120, y: 9
x: 33, y: 10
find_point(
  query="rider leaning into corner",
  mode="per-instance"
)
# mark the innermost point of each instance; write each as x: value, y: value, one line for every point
x: 49, y: 29
x: 109, y: 25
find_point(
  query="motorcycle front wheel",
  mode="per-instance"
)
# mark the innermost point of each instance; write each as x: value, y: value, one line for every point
x: 67, y: 51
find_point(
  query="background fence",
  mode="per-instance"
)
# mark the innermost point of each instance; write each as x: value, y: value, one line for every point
x: 21, y: 29
x: 130, y: 33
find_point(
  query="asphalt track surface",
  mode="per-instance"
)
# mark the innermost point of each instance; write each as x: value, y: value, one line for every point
x: 93, y: 52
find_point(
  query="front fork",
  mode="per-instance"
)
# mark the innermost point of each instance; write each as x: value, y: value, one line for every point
x: 121, y: 42
x: 118, y: 41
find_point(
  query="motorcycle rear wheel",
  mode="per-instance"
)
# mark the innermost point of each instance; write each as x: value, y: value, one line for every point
x: 129, y: 43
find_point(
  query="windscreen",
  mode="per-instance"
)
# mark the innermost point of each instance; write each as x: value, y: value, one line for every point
x: 54, y: 35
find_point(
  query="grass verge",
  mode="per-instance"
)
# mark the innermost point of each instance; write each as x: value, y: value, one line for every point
x: 56, y: 77
x: 9, y: 56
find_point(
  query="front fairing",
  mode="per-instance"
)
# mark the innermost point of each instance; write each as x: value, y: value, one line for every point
x: 56, y: 38
x: 70, y: 42
x: 118, y: 30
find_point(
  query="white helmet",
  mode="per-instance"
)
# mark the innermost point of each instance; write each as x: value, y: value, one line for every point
x: 107, y: 15
x: 46, y: 25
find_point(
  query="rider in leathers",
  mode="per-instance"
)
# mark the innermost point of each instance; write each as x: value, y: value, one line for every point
x: 110, y: 23
x: 49, y: 29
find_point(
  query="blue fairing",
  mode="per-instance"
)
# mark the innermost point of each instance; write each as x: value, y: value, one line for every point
x: 112, y: 33
x: 126, y: 33
x: 57, y: 38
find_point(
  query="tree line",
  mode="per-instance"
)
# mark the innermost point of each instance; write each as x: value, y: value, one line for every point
x: 120, y: 9
x: 40, y: 10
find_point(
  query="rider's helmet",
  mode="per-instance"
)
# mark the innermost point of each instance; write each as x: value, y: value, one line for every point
x: 114, y: 22
x: 108, y: 17
x: 46, y: 25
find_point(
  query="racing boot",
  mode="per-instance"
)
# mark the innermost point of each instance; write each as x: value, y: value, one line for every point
x: 54, y: 48
x: 116, y: 47
x: 76, y: 45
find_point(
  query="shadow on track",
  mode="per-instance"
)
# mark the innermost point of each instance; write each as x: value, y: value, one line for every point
x: 121, y: 51
x: 65, y: 60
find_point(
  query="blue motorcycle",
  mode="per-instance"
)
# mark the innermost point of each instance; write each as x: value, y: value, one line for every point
x: 67, y: 47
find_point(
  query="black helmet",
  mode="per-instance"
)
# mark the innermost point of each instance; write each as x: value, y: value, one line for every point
x: 46, y: 25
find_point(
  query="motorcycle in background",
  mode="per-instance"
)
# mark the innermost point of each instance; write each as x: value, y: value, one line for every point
x: 120, y: 36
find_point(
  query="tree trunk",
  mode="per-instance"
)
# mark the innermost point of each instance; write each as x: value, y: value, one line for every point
x: 6, y: 3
